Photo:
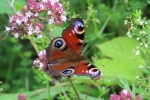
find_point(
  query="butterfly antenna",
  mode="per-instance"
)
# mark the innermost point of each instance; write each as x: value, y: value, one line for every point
x: 91, y: 48
x: 89, y: 86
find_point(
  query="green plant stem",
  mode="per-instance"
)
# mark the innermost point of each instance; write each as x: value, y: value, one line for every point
x: 34, y: 45
x: 107, y: 20
x: 70, y: 81
x: 48, y: 91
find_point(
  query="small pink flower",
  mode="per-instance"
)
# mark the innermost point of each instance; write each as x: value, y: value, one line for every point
x: 138, y: 97
x: 25, y: 9
x: 21, y: 97
x: 114, y: 97
x: 40, y: 25
x: 33, y: 5
x: 41, y: 62
x: 125, y: 94
x: 29, y: 20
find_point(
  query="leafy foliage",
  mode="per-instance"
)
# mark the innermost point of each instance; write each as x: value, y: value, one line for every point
x: 119, y: 59
x: 114, y: 52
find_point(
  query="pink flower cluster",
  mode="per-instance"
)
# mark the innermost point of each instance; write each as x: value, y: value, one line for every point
x: 30, y: 20
x: 21, y: 97
x: 41, y: 62
x: 124, y: 95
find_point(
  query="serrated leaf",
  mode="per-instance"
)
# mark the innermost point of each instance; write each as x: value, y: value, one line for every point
x: 120, y: 59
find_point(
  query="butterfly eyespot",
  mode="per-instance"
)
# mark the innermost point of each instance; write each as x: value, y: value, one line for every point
x: 68, y: 71
x: 58, y: 43
x: 94, y: 72
x: 79, y: 27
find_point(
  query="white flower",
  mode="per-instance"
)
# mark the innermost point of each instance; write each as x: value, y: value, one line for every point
x: 40, y: 36
x: 10, y: 19
x: 63, y: 18
x: 44, y: 1
x: 51, y: 21
x: 129, y: 34
x: 138, y: 19
x: 138, y: 38
x: 41, y: 6
x: 7, y: 29
x: 36, y: 14
x: 29, y: 14
x: 18, y: 21
x: 37, y: 30
x: 36, y: 61
x: 41, y: 53
x: 137, y: 77
x: 30, y: 29
x: 25, y: 19
x: 125, y: 22
x: 41, y: 65
x: 30, y: 32
x: 18, y: 13
x: 141, y: 66
x: 137, y: 52
x: 125, y: 92
x: 141, y: 22
x: 141, y: 43
x: 146, y: 46
x: 54, y: 1
x: 142, y: 32
x: 146, y: 22
x: 49, y: 12
x: 16, y: 35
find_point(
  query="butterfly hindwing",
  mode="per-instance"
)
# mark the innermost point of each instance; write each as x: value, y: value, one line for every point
x: 84, y: 68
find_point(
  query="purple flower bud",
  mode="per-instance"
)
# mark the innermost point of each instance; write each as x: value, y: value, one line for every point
x: 24, y: 9
x: 114, y: 97
x: 21, y: 97
x: 40, y: 25
x: 138, y: 97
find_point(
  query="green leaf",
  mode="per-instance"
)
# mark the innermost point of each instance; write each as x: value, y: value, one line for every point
x: 120, y: 59
x: 57, y: 32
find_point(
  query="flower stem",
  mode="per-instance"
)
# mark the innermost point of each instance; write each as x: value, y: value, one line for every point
x: 34, y: 45
x: 48, y: 91
x: 70, y: 81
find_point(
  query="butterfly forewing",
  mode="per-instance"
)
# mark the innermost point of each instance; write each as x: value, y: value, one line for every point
x: 74, y: 35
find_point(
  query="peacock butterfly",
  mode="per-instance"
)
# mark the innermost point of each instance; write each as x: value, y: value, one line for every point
x: 64, y: 53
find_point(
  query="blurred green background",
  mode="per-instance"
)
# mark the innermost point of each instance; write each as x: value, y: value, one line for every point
x: 104, y: 28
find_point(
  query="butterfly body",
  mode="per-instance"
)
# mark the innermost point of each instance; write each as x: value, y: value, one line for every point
x: 64, y: 53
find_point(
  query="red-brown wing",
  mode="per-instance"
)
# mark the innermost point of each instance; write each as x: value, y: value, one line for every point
x: 60, y: 69
x: 74, y: 35
x: 84, y: 68
x: 58, y: 58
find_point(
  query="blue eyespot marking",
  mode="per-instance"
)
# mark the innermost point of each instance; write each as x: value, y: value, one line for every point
x: 68, y: 72
x: 58, y: 43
